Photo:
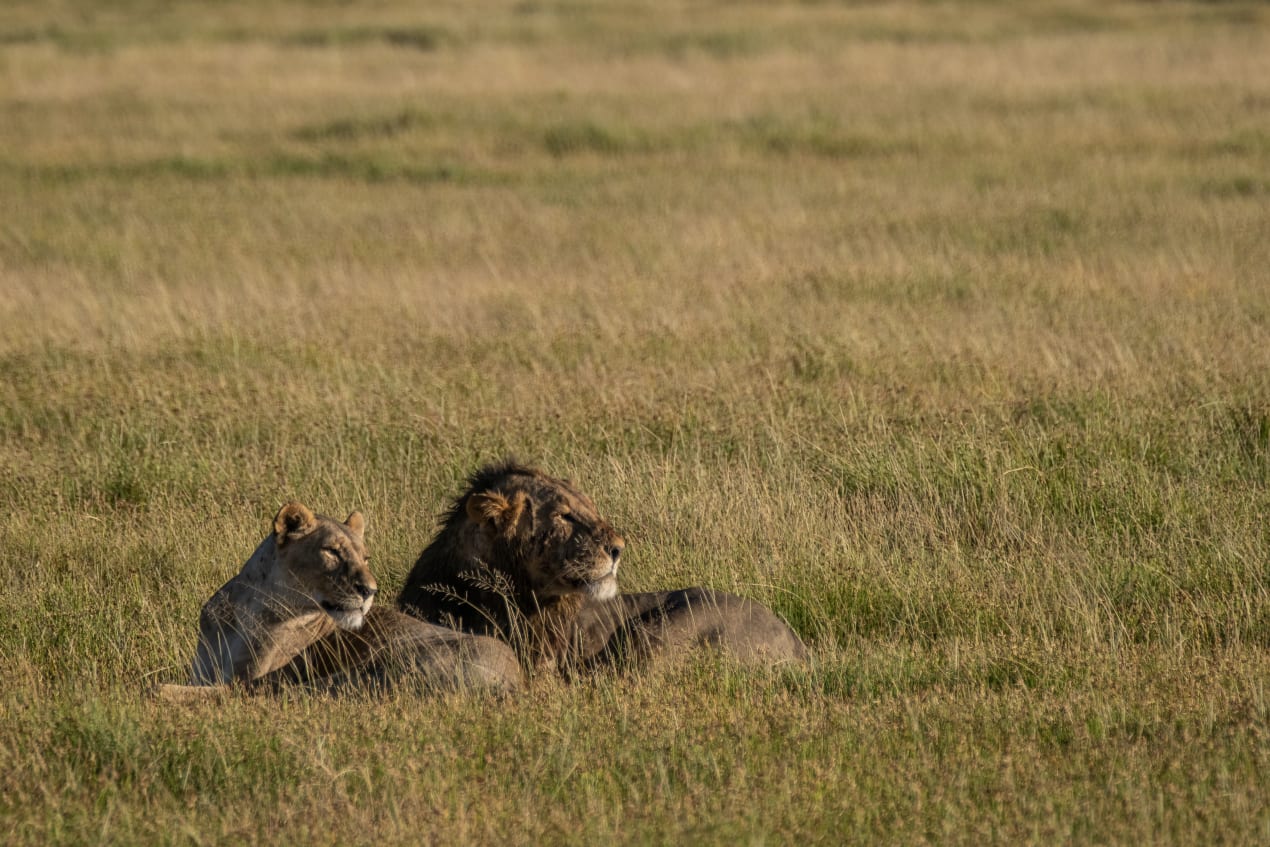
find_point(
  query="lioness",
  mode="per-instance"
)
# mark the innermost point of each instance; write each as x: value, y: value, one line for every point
x: 300, y: 610
x: 526, y: 557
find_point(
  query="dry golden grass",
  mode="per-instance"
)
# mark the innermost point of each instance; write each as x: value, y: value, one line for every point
x: 942, y: 328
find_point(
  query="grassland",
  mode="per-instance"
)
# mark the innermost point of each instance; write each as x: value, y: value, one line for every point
x: 944, y: 329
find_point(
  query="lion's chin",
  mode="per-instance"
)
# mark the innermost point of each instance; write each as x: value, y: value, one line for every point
x: 604, y: 590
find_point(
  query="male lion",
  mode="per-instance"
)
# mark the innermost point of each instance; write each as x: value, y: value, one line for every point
x: 300, y: 611
x: 526, y: 557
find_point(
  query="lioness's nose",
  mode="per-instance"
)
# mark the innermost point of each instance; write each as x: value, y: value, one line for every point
x: 366, y: 589
x: 615, y: 551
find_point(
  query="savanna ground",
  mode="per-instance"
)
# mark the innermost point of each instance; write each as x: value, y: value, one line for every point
x: 944, y: 329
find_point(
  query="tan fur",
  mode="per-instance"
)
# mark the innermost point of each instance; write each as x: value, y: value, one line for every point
x: 304, y: 580
x: 394, y: 649
x: 632, y: 628
x: 300, y: 611
x: 526, y: 558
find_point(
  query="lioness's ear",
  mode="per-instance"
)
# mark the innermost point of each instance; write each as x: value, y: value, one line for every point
x: 293, y: 521
x: 357, y: 524
x: 493, y: 509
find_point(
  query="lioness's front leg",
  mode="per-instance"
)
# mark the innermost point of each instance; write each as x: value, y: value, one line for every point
x: 393, y: 648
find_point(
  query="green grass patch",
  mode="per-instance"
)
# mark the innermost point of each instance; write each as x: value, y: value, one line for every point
x: 409, y: 38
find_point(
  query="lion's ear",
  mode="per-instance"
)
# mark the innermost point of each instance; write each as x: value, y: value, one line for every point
x: 486, y: 507
x: 489, y: 508
x: 357, y: 524
x: 294, y: 520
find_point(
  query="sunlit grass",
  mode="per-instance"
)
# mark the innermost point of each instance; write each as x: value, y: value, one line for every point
x: 941, y: 328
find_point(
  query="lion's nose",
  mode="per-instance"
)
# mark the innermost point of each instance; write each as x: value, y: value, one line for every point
x: 365, y: 589
x: 615, y: 552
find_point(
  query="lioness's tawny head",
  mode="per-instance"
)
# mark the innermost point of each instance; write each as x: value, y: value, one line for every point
x: 550, y: 530
x: 324, y: 563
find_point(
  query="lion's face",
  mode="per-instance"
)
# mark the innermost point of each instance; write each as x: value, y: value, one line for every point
x: 553, y: 532
x: 323, y: 563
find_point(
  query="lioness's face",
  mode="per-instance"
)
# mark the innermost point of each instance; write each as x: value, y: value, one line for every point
x: 556, y: 534
x: 325, y: 562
